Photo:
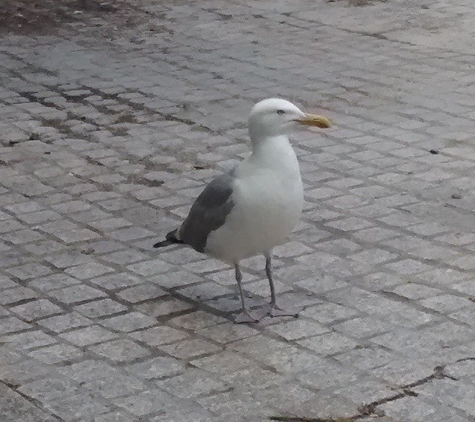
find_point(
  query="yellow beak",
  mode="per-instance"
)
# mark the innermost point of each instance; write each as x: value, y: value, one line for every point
x: 315, y: 120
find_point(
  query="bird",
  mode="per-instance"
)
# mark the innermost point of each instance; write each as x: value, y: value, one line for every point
x: 254, y: 207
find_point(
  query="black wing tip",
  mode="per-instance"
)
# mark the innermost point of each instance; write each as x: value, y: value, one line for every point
x: 162, y: 244
x: 170, y: 240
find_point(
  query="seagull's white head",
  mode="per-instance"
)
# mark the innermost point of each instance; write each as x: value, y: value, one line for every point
x: 274, y: 117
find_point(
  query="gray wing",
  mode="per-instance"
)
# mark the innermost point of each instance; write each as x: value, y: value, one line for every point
x: 209, y: 212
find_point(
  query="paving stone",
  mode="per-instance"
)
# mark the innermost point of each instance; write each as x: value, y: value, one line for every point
x: 175, y: 279
x: 197, y: 320
x: 64, y: 322
x: 23, y: 369
x: 12, y: 324
x: 324, y: 375
x: 49, y: 388
x: 16, y: 295
x: 15, y: 407
x: 120, y: 350
x: 78, y: 406
x: 132, y: 321
x: 28, y: 339
x: 116, y: 281
x: 29, y: 271
x: 147, y: 402
x: 150, y: 268
x: 164, y: 308
x: 192, y: 383
x: 56, y: 353
x: 88, y: 335
x: 226, y: 333
x: 141, y: 293
x: 297, y: 329
x: 120, y: 257
x: 89, y: 270
x: 75, y: 294
x: 326, y: 313
x: 159, y: 335
x: 36, y: 309
x: 68, y: 259
x: 190, y: 348
x: 411, y: 409
x: 157, y: 367
x: 100, y: 308
x: 114, y: 386
x: 116, y: 416
x: 364, y: 327
x: 53, y: 281
x: 87, y: 370
x: 463, y: 368
x: 446, y: 303
x: 328, y: 343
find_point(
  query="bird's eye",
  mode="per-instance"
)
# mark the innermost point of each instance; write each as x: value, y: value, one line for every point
x: 280, y: 112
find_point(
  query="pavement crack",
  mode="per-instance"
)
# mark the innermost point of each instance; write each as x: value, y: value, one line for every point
x: 371, y: 409
x: 464, y: 359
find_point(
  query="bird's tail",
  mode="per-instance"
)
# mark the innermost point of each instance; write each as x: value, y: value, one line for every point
x: 170, y: 239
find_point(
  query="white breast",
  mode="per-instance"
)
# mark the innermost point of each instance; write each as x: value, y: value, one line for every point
x: 268, y: 201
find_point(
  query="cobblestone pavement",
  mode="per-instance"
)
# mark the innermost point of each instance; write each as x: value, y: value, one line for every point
x: 114, y: 116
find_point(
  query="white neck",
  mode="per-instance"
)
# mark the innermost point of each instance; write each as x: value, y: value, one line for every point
x: 276, y: 153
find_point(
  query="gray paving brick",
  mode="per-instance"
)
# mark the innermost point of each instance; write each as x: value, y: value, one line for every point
x: 78, y: 406
x: 121, y: 257
x: 115, y: 416
x: 120, y: 350
x: 149, y: 268
x: 53, y: 281
x: 190, y: 348
x: 141, y: 293
x: 147, y: 402
x: 157, y: 367
x: 159, y: 335
x: 132, y: 321
x: 100, y: 308
x: 49, y: 388
x: 192, y: 383
x: 75, y: 294
x: 116, y: 281
x: 227, y: 333
x: 68, y: 259
x: 16, y: 407
x: 411, y: 409
x: 88, y: 335
x: 328, y: 343
x: 12, y: 325
x: 363, y: 327
x: 89, y: 270
x: 56, y: 353
x: 64, y: 322
x: 87, y: 370
x: 114, y: 386
x: 298, y: 329
x: 164, y: 308
x: 29, y: 340
x: 29, y: 271
x: 16, y: 294
x: 36, y: 309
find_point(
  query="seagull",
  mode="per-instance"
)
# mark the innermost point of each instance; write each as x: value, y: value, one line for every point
x: 254, y: 207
